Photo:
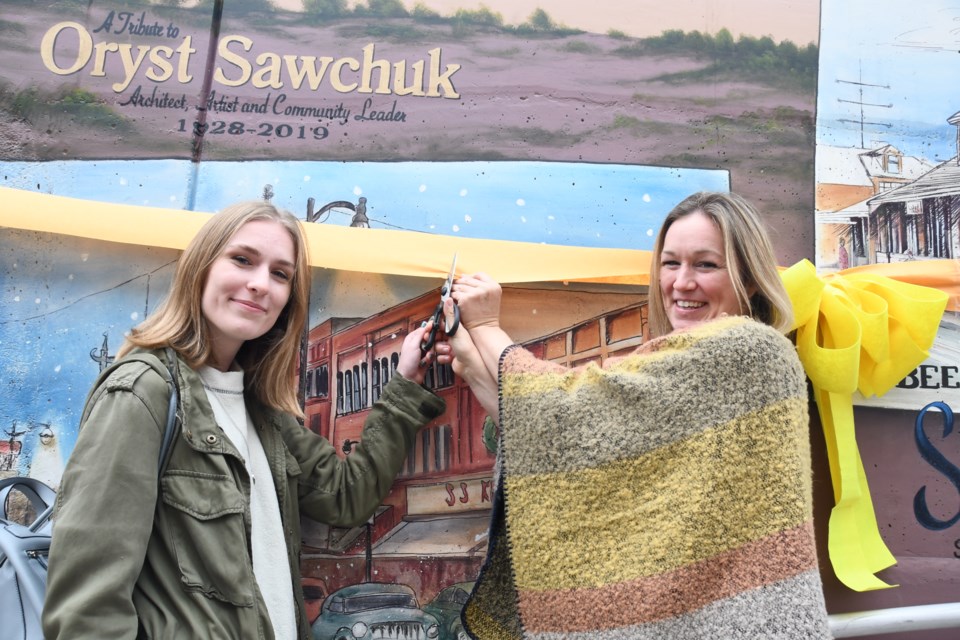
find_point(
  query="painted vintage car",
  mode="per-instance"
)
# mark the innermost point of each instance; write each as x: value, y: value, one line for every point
x: 446, y: 608
x: 374, y: 610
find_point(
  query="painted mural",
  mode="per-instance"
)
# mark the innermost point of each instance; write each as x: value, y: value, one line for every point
x: 885, y: 155
x: 553, y: 123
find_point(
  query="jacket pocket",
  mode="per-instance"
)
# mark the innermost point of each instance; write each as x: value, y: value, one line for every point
x: 207, y: 528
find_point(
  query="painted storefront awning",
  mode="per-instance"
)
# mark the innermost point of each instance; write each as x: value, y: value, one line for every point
x: 943, y: 180
x: 459, y: 536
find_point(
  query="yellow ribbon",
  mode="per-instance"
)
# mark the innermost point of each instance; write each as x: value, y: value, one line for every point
x: 857, y: 330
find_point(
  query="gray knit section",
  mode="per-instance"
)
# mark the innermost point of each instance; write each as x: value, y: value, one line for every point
x: 787, y: 610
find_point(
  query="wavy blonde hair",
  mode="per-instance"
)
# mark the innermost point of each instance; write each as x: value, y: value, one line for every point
x: 750, y: 260
x: 270, y: 361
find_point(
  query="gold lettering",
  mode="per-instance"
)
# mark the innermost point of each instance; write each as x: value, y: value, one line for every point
x: 269, y: 75
x: 336, y: 81
x: 162, y: 68
x: 369, y: 64
x: 438, y: 79
x: 307, y: 69
x: 84, y: 50
x: 183, y: 64
x: 101, y: 50
x: 130, y: 65
x: 223, y: 49
x: 369, y: 74
x: 159, y: 60
x: 400, y: 75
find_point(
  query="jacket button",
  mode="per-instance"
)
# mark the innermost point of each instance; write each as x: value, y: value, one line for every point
x: 211, y: 439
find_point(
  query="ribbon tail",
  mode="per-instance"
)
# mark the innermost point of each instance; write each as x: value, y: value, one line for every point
x: 856, y: 549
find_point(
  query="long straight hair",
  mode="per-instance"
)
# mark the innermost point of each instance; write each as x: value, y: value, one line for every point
x: 751, y: 262
x: 270, y: 361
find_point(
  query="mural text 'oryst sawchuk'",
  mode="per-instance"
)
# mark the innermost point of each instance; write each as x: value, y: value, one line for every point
x: 237, y: 66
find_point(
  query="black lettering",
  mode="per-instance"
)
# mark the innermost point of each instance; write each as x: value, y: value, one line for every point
x: 223, y: 104
x: 947, y: 380
x: 125, y: 16
x: 140, y: 100
x: 368, y: 113
x: 927, y: 377
x: 140, y: 27
x: 910, y: 382
x: 107, y: 23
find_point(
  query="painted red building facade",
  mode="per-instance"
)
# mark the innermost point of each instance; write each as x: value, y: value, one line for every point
x: 431, y: 529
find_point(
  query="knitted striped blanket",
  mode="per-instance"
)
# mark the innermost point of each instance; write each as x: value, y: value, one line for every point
x: 667, y: 495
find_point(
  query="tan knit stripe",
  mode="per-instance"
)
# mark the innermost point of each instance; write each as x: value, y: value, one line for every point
x: 775, y: 558
x: 631, y: 519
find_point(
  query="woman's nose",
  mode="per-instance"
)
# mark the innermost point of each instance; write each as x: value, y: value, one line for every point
x: 685, y: 279
x: 259, y: 279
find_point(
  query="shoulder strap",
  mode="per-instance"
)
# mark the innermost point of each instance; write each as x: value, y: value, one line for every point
x: 170, y: 431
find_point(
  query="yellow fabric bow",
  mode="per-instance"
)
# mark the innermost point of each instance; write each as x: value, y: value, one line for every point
x: 857, y: 330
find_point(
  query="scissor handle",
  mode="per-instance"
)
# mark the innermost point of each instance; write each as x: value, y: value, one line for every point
x: 452, y: 329
x: 431, y: 338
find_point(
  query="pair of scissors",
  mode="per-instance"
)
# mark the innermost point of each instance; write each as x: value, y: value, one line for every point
x: 445, y: 291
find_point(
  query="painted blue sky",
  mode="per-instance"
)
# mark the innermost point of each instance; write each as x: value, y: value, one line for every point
x: 913, y: 48
x: 601, y: 205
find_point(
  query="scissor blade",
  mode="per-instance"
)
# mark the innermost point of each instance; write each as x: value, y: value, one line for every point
x: 453, y: 269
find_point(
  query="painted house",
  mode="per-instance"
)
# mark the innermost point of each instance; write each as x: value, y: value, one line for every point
x: 921, y: 219
x: 847, y: 178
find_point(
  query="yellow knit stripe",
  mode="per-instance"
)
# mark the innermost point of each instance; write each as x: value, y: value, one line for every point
x: 632, y: 518
x: 484, y: 626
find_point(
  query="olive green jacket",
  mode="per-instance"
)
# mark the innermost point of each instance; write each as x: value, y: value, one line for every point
x: 122, y: 566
